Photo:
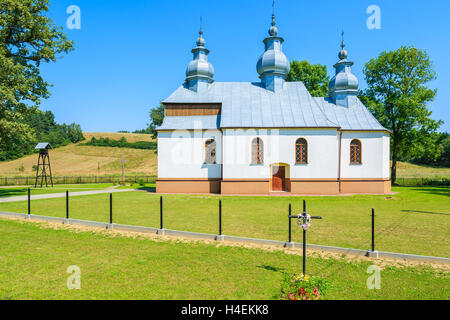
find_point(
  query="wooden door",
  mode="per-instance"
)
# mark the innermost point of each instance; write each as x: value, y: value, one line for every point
x: 278, y: 178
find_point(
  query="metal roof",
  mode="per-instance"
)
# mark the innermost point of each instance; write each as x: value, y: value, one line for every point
x: 43, y: 145
x: 249, y: 105
x: 354, y: 117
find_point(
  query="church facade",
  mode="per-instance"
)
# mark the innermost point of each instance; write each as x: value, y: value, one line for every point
x: 271, y: 136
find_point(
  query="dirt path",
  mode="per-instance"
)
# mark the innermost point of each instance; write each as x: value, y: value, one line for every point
x: 62, y: 195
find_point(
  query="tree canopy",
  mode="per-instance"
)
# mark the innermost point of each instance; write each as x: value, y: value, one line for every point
x: 27, y: 39
x: 397, y: 95
x: 313, y: 76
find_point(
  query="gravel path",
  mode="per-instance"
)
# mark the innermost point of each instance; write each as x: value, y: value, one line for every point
x: 63, y: 194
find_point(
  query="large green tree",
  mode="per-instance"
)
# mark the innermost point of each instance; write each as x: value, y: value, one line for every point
x: 397, y: 95
x: 156, y: 118
x: 27, y: 39
x: 313, y: 76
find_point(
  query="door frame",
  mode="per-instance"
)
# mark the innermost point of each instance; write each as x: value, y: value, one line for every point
x: 287, y: 176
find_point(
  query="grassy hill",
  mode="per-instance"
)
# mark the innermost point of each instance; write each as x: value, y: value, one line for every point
x: 76, y: 160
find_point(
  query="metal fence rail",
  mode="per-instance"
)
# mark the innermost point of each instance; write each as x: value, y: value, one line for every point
x: 29, y: 181
x: 421, y: 181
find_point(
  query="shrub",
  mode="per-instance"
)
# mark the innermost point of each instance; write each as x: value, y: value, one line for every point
x: 122, y: 143
x: 303, y: 287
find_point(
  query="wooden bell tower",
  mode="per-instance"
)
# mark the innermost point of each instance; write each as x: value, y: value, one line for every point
x: 43, y: 169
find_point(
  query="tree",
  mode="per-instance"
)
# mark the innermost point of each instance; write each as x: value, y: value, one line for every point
x: 27, y: 38
x: 397, y: 94
x: 157, y: 118
x: 444, y: 159
x: 313, y: 76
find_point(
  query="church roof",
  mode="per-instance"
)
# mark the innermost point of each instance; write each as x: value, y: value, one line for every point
x: 250, y: 105
x: 354, y: 117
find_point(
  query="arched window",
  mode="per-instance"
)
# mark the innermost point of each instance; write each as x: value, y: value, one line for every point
x: 210, y: 151
x: 257, y: 151
x: 301, y: 151
x: 355, y: 152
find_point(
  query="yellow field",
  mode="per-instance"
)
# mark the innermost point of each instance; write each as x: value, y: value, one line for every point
x: 88, y: 160
x: 75, y: 160
x: 409, y: 170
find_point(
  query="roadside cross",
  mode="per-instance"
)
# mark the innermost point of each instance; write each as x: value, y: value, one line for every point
x: 304, y: 222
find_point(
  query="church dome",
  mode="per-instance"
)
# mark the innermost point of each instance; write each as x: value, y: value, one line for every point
x: 273, y: 62
x: 199, y: 69
x: 344, y: 81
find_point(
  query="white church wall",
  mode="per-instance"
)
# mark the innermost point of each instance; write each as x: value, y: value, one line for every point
x: 181, y: 154
x: 375, y: 155
x: 279, y: 147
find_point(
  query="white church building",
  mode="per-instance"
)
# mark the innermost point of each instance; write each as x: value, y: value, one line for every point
x: 271, y: 136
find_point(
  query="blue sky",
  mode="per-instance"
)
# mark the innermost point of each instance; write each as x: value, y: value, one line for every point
x: 130, y: 55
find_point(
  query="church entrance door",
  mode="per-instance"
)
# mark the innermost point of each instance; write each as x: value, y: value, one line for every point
x: 278, y: 178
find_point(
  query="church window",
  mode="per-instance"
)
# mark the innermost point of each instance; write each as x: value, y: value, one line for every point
x: 257, y: 151
x: 210, y: 151
x: 355, y: 152
x: 301, y: 151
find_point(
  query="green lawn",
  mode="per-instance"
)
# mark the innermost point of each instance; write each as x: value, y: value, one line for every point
x: 22, y: 191
x: 34, y: 261
x: 416, y: 220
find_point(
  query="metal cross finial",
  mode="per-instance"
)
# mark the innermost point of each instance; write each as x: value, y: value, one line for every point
x: 273, y: 12
x: 201, y: 22
x: 342, y: 43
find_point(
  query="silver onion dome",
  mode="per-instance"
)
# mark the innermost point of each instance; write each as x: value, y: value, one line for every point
x: 344, y: 83
x: 199, y: 69
x: 273, y: 62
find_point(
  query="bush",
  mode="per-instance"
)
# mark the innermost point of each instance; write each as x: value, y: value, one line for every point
x: 45, y: 129
x: 122, y: 143
x: 303, y: 287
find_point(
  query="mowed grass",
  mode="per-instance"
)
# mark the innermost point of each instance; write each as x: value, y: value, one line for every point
x: 35, y: 259
x: 79, y: 160
x: 22, y: 191
x: 416, y: 220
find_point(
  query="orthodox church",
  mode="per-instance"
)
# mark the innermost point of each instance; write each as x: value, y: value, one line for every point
x: 270, y: 136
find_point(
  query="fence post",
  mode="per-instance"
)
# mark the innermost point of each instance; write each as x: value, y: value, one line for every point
x: 110, y: 209
x: 161, y: 224
x: 29, y: 202
x: 220, y: 217
x: 372, y: 253
x: 373, y: 229
x: 290, y: 226
x: 220, y: 237
x: 67, y: 204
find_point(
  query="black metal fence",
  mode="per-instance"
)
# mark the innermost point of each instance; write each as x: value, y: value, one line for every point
x: 29, y: 181
x: 304, y: 215
x: 421, y: 181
